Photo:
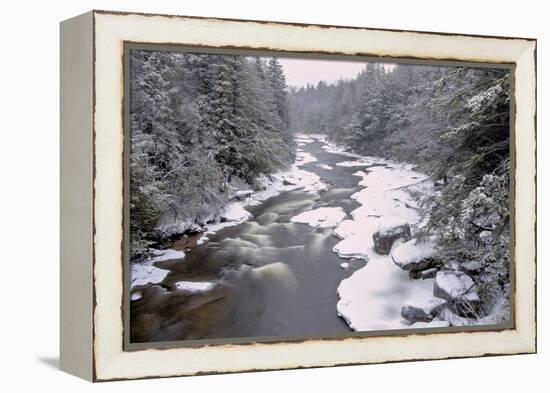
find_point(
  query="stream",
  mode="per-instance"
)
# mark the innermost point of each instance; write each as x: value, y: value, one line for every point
x: 265, y: 277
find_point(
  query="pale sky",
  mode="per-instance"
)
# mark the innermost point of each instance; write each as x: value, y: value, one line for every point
x: 299, y: 72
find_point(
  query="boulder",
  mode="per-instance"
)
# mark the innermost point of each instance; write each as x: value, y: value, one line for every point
x: 423, y: 311
x: 414, y: 255
x: 385, y: 237
x: 459, y: 290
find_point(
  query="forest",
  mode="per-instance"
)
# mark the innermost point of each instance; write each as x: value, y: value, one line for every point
x: 198, y: 123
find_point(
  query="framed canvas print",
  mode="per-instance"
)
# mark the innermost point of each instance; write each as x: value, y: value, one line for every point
x: 247, y: 195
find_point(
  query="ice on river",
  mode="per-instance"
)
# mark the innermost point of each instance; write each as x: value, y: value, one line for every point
x: 323, y: 217
x: 371, y: 298
x: 195, y: 286
x: 146, y: 272
x: 303, y: 157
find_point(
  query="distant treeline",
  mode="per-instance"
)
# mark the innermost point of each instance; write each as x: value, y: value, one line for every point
x: 454, y: 122
x: 199, y: 121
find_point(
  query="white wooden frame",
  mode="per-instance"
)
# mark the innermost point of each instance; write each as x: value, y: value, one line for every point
x: 92, y: 141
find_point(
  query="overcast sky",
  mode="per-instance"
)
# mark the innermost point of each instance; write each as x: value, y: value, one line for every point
x: 299, y: 72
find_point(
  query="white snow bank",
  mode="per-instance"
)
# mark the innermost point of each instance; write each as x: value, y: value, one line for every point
x: 372, y: 297
x: 365, y: 161
x: 304, y: 157
x: 146, y: 273
x: 233, y: 214
x: 195, y: 286
x: 299, y: 178
x: 324, y: 217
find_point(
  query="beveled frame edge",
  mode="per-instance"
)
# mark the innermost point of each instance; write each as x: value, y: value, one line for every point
x: 112, y: 364
x: 76, y: 196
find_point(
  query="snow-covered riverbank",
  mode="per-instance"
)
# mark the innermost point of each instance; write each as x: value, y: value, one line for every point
x: 146, y: 272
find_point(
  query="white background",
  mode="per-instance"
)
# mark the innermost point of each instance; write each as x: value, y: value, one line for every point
x: 29, y: 202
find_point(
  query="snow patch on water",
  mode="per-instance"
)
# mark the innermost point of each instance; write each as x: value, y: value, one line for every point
x: 324, y: 166
x: 195, y: 286
x: 324, y: 217
x: 145, y: 272
x: 304, y: 157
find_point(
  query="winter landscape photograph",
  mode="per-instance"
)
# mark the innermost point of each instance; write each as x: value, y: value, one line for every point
x: 282, y: 197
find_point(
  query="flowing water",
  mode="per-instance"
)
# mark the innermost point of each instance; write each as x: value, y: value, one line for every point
x: 273, y: 277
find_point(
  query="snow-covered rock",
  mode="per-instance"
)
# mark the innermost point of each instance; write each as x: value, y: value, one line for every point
x: 385, y: 236
x: 344, y: 265
x: 323, y: 217
x: 423, y: 311
x: 414, y: 254
x: 324, y: 166
x: 459, y: 290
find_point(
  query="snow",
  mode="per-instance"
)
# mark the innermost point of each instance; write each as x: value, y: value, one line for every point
x: 324, y: 166
x: 304, y: 138
x: 323, y: 217
x: 454, y: 284
x: 302, y: 179
x: 195, y: 286
x: 146, y: 273
x: 136, y: 296
x: 350, y: 164
x: 344, y: 265
x: 303, y: 157
x: 166, y: 255
x: 233, y: 214
x: 408, y: 255
x: 372, y: 297
x: 365, y: 161
x: 335, y: 149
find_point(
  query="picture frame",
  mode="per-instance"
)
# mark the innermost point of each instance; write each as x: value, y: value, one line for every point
x: 94, y: 194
